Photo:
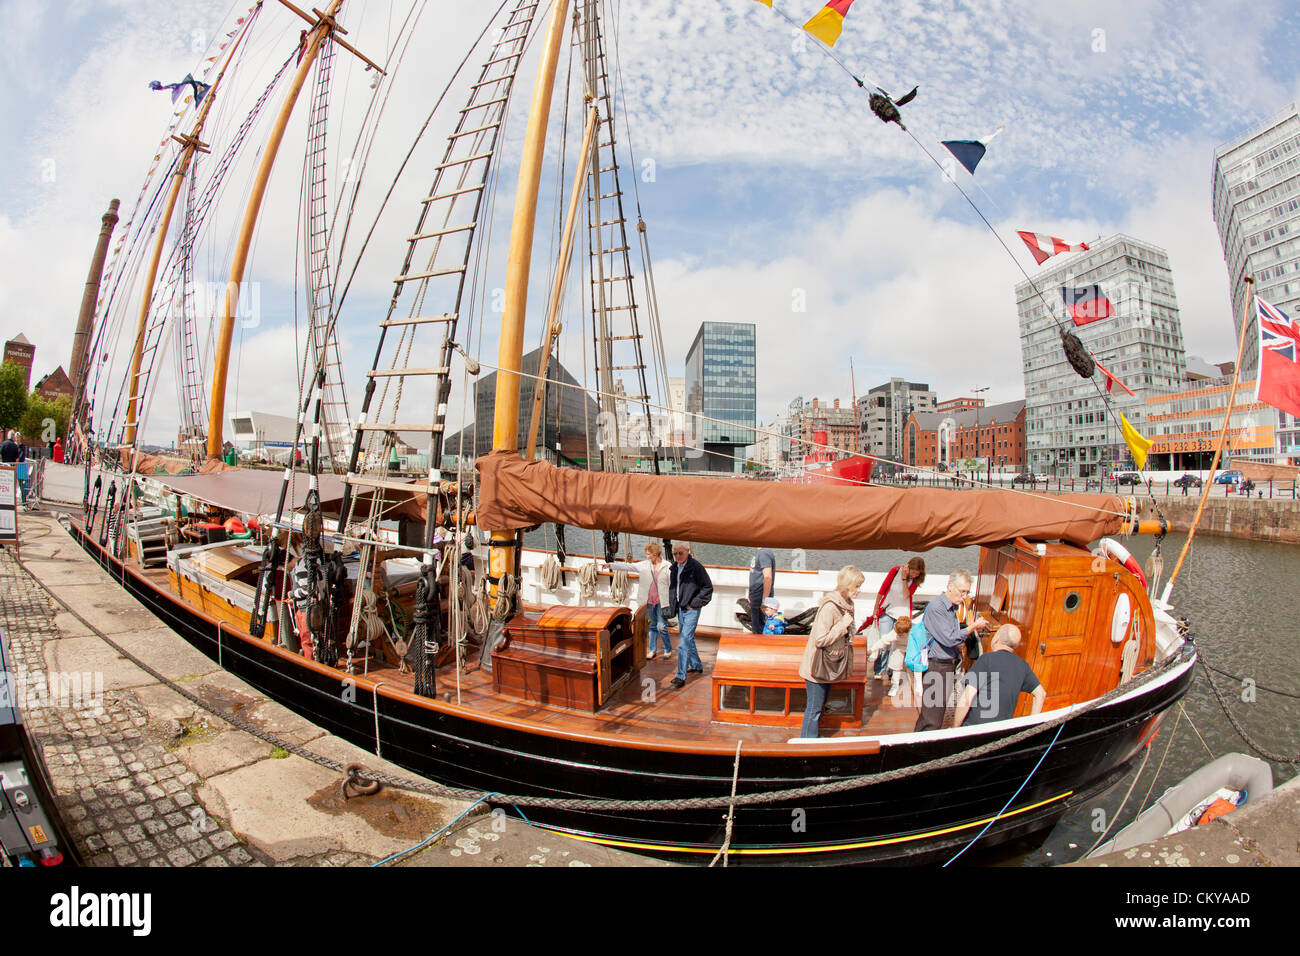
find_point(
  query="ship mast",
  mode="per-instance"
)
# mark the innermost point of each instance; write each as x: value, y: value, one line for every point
x: 323, y: 25
x: 190, y: 145
x: 505, y: 425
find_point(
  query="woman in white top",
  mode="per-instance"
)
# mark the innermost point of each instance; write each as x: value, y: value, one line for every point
x: 653, y: 576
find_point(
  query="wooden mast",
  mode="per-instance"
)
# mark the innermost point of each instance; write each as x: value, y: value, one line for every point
x: 189, y: 146
x: 505, y: 425
x: 323, y: 25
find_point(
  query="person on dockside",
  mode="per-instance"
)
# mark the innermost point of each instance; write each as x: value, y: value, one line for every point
x: 945, y: 637
x: 998, y: 679
x: 689, y: 590
x: 828, y: 655
x: 652, y: 587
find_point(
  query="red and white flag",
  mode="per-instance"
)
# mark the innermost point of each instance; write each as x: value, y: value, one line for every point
x: 1110, y: 377
x: 1279, y: 358
x: 1043, y: 247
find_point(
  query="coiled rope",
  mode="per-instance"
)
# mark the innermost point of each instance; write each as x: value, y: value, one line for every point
x: 550, y: 573
x: 619, y: 588
x: 588, y: 577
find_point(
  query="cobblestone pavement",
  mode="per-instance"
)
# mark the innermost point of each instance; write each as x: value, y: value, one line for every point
x: 127, y: 800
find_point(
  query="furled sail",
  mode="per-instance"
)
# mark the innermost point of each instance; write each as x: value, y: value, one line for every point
x: 517, y: 494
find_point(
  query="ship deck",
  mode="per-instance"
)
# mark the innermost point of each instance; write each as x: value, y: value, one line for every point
x: 677, y: 715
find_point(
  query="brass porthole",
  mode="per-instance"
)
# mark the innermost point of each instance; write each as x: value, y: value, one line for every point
x: 1072, y: 601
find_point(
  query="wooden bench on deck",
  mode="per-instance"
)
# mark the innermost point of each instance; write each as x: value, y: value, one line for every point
x: 569, y: 657
x: 756, y: 681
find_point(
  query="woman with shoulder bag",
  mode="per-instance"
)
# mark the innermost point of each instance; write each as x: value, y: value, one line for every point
x: 828, y: 655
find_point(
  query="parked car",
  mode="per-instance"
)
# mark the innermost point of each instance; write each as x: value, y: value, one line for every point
x: 1129, y: 478
x: 1228, y: 478
x: 1025, y: 478
x: 1187, y: 481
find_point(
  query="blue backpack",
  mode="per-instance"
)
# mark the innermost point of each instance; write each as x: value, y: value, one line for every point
x: 916, y: 658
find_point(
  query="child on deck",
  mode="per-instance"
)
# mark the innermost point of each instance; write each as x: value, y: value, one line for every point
x: 773, y: 619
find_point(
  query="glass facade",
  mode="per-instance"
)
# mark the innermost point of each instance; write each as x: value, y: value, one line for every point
x: 1257, y: 211
x: 1067, y: 429
x: 720, y: 383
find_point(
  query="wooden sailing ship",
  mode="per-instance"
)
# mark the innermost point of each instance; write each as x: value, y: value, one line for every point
x: 561, y: 702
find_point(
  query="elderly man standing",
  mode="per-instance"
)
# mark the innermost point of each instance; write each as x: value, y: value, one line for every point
x: 946, y: 637
x: 689, y: 589
x: 998, y: 678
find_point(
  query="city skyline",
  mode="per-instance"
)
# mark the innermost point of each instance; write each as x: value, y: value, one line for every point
x: 771, y: 193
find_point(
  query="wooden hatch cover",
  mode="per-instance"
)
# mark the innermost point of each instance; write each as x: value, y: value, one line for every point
x: 575, y: 657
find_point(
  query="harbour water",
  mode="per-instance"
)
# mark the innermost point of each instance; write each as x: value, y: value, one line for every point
x: 1236, y: 595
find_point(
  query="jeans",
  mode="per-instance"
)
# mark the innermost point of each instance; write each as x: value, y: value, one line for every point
x: 687, y: 656
x: 812, y: 710
x: 885, y: 623
x: 656, y: 625
x: 756, y: 611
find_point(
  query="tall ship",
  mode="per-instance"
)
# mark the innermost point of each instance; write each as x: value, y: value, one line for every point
x: 524, y: 673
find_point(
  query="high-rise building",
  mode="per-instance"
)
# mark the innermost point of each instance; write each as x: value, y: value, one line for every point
x: 1067, y: 428
x: 570, y: 429
x: 1257, y: 211
x: 721, y: 397
x: 883, y: 414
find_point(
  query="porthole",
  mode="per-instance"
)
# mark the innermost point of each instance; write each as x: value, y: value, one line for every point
x: 1072, y: 601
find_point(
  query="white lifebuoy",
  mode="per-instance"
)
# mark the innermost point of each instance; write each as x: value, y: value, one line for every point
x: 1113, y: 549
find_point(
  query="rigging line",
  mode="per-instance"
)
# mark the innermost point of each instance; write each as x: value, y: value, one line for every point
x: 1033, y: 285
x: 1169, y: 744
x: 374, y: 127
x: 1257, y: 686
x: 410, y: 152
x: 1013, y: 797
x: 803, y: 441
x: 1123, y: 803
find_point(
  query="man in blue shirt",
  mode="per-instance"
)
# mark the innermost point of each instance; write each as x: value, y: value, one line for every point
x: 945, y: 636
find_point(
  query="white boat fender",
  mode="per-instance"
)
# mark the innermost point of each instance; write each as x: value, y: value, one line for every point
x: 1120, y: 620
x: 1113, y: 549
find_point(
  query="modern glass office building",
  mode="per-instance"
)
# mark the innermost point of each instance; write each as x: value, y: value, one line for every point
x: 1256, y: 184
x: 1067, y: 429
x: 721, y: 397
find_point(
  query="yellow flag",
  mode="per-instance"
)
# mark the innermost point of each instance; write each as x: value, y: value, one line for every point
x: 1138, y: 445
x: 766, y: 3
x: 827, y: 22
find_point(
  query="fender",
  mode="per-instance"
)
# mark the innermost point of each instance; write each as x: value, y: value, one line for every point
x: 1113, y: 549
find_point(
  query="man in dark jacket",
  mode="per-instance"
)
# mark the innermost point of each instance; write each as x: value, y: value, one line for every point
x: 689, y: 590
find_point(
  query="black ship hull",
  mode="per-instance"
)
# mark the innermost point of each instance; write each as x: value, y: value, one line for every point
x: 921, y: 817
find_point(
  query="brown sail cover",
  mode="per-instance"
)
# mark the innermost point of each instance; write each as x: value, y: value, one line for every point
x: 517, y: 494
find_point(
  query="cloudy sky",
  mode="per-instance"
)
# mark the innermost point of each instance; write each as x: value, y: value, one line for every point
x: 764, y: 180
